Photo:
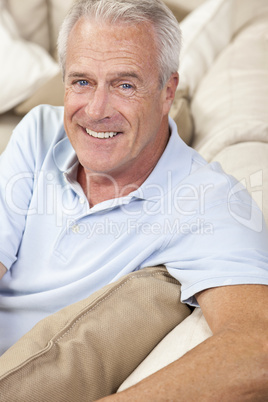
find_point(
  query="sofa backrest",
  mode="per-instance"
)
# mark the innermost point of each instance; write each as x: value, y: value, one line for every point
x: 224, y: 71
x: 38, y: 21
x: 208, y: 30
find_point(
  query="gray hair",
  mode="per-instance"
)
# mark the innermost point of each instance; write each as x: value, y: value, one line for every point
x: 168, y: 33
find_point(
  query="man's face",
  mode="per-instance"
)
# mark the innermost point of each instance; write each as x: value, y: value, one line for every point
x: 115, y: 111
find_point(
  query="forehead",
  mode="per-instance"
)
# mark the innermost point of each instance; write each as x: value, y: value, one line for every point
x: 91, y: 41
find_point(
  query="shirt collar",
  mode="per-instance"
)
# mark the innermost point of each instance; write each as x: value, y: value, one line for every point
x: 64, y: 155
x: 173, y: 166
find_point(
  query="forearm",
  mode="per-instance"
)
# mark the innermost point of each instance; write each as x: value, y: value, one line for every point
x: 226, y: 367
x: 2, y: 270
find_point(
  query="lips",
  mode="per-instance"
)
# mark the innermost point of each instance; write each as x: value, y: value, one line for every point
x: 106, y: 134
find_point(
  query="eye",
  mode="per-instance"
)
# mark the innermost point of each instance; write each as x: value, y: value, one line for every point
x: 81, y: 86
x: 126, y: 89
x: 126, y: 86
x: 82, y: 83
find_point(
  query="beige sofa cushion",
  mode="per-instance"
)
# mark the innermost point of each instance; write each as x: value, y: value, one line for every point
x: 181, y: 8
x: 248, y: 162
x: 181, y: 113
x: 88, y: 349
x: 186, y: 6
x: 207, y: 31
x: 25, y: 66
x: 50, y: 93
x: 31, y: 19
x: 201, y: 44
x: 57, y: 11
x: 8, y: 122
x: 230, y: 104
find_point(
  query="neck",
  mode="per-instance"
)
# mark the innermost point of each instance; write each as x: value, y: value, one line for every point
x: 99, y: 187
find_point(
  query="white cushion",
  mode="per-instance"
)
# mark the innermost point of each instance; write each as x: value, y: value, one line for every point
x: 31, y: 18
x: 184, y: 337
x: 25, y: 66
x: 201, y: 43
x: 57, y: 11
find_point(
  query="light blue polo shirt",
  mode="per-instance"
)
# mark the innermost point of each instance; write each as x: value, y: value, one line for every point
x: 188, y: 215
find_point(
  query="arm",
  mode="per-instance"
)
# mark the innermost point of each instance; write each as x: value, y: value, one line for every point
x: 2, y: 270
x: 17, y: 167
x: 232, y: 365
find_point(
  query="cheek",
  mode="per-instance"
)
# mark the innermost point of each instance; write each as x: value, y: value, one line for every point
x: 71, y: 106
x: 153, y: 109
x: 73, y: 102
x: 127, y: 110
x: 140, y: 114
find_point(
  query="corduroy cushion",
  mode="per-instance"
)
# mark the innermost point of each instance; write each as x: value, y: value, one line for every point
x: 88, y: 349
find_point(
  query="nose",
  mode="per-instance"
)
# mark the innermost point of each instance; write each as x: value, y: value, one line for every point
x: 99, y: 105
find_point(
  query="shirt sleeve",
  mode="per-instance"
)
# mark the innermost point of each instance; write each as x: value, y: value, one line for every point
x: 226, y: 245
x: 17, y: 166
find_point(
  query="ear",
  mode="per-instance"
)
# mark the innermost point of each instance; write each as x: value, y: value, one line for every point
x: 170, y: 91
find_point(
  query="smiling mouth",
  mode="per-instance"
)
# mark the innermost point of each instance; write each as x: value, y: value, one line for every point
x: 106, y: 134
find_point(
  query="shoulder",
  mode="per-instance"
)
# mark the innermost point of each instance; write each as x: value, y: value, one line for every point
x: 35, y: 135
x: 218, y: 185
x: 42, y: 118
x: 40, y: 127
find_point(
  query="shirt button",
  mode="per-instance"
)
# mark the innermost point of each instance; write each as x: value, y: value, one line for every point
x: 75, y: 228
x: 82, y: 200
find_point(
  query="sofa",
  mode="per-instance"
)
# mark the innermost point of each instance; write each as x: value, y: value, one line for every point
x: 221, y: 105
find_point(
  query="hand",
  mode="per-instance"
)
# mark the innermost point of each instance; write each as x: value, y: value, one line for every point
x: 3, y: 270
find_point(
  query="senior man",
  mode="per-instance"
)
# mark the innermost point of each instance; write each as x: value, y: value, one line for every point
x: 81, y: 183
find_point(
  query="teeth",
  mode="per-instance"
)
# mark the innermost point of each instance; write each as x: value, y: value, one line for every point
x: 101, y: 134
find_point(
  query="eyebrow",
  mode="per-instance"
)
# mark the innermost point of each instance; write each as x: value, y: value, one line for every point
x: 123, y: 74
x: 76, y: 75
x: 126, y: 74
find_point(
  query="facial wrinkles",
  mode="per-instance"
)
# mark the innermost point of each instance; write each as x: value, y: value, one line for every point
x: 103, y: 65
x: 115, y: 49
x: 112, y: 62
x: 122, y: 66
